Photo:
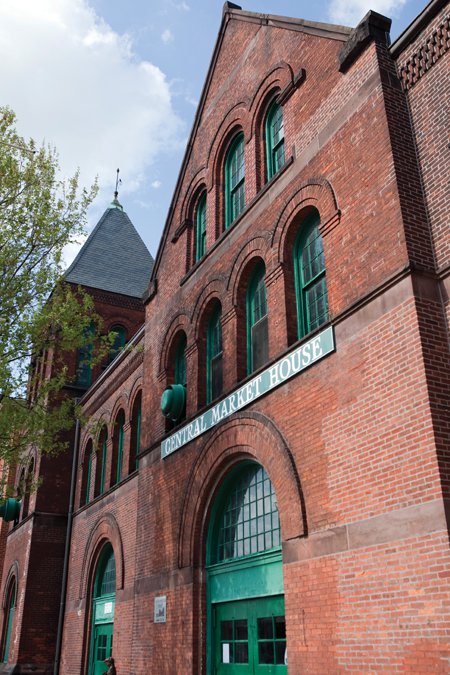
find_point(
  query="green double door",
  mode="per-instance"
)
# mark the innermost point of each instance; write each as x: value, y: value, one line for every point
x: 250, y: 637
x: 102, y: 648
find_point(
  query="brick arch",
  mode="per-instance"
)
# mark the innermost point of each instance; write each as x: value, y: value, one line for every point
x: 246, y: 436
x: 278, y: 78
x: 13, y: 573
x: 120, y: 404
x: 214, y: 289
x: 236, y: 118
x: 180, y: 322
x: 192, y: 193
x: 257, y: 247
x: 316, y: 192
x: 106, y: 530
x: 136, y: 388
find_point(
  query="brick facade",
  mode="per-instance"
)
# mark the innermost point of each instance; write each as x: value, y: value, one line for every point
x: 356, y: 445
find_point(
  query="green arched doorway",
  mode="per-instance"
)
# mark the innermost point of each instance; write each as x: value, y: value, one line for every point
x: 103, y: 606
x: 245, y: 593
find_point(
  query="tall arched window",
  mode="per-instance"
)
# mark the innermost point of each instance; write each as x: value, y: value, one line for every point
x: 135, y: 442
x: 257, y: 321
x: 28, y: 488
x: 83, y: 371
x: 200, y: 228
x: 117, y: 449
x: 8, y: 620
x: 246, y: 614
x: 120, y: 339
x: 214, y: 369
x: 234, y: 180
x: 101, y: 463
x: 274, y: 133
x: 86, y: 475
x: 104, y: 600
x: 173, y: 400
x: 310, y: 281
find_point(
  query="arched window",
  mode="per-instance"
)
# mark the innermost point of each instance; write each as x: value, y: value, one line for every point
x: 274, y: 132
x: 257, y: 322
x: 310, y: 281
x: 22, y: 490
x: 83, y: 371
x: 101, y: 463
x: 135, y: 441
x: 120, y: 339
x: 200, y: 228
x: 173, y: 400
x: 234, y: 180
x: 180, y: 363
x: 214, y: 370
x: 8, y: 620
x: 104, y: 600
x: 28, y: 488
x: 246, y: 614
x: 86, y: 475
x: 117, y: 449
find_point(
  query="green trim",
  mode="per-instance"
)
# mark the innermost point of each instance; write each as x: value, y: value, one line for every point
x: 83, y: 369
x: 274, y: 133
x: 120, y: 448
x: 234, y: 180
x: 138, y: 432
x: 88, y: 479
x: 103, y: 468
x: 9, y: 622
x: 256, y: 311
x: 180, y: 363
x: 103, y: 608
x: 310, y: 287
x: 120, y: 339
x: 214, y: 349
x: 200, y: 228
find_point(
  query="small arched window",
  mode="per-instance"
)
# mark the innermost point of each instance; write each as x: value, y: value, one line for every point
x: 101, y: 463
x: 274, y: 133
x: 29, y: 484
x: 119, y: 342
x: 173, y: 400
x: 180, y: 372
x: 9, y: 620
x: 310, y: 281
x: 84, y: 359
x: 135, y: 444
x: 214, y: 370
x: 234, y: 180
x: 257, y: 320
x: 117, y: 449
x: 200, y: 228
x: 86, y: 475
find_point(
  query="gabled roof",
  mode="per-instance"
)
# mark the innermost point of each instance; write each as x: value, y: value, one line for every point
x: 114, y: 258
x: 235, y: 12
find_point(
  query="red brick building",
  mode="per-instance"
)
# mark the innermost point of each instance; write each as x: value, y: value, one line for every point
x: 265, y: 487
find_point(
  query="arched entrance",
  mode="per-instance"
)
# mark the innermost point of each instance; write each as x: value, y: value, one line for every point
x: 103, y: 606
x: 245, y: 593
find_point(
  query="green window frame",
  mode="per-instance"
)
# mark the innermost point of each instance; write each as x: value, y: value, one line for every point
x: 88, y: 478
x: 310, y: 277
x: 234, y: 180
x: 180, y: 363
x: 101, y: 466
x: 200, y: 228
x: 214, y: 355
x: 120, y: 340
x: 274, y: 133
x: 105, y: 582
x: 83, y: 377
x: 120, y: 421
x: 246, y: 520
x: 257, y: 320
x: 9, y: 620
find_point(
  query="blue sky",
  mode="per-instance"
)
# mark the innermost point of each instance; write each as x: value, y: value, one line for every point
x: 115, y: 84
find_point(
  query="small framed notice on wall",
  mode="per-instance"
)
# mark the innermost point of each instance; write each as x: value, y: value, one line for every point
x: 160, y: 609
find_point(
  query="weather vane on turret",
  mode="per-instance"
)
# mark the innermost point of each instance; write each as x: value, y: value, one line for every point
x: 115, y: 202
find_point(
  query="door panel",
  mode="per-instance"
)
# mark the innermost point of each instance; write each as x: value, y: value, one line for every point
x: 103, y: 637
x: 250, y: 637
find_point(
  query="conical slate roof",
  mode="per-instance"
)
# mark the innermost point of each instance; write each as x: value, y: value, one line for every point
x: 114, y: 258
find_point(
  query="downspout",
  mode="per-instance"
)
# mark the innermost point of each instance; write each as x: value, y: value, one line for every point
x: 62, y: 605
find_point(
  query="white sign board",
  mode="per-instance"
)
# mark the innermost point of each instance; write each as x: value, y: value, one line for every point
x: 160, y: 609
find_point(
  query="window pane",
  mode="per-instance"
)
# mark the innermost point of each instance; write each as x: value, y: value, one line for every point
x: 260, y: 344
x: 265, y: 628
x: 280, y: 652
x: 241, y: 652
x: 242, y: 530
x: 266, y: 652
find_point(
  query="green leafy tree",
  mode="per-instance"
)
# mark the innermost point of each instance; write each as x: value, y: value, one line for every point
x: 41, y: 317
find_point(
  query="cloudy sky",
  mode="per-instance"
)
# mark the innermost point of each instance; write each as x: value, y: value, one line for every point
x: 115, y: 83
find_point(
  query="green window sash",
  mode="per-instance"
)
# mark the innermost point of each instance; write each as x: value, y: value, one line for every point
x: 88, y: 479
x: 103, y: 466
x: 200, y: 228
x: 120, y: 450
x: 275, y: 157
x: 214, y: 374
x: 9, y: 624
x: 234, y: 180
x: 257, y: 321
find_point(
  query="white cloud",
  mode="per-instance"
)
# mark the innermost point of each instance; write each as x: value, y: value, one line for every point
x: 167, y: 36
x: 350, y: 12
x: 183, y: 6
x: 76, y: 83
x: 156, y: 184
